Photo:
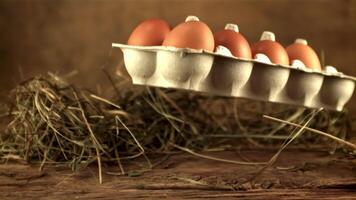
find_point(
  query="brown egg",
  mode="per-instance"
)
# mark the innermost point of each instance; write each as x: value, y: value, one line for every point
x: 233, y: 40
x: 149, y: 33
x: 300, y: 50
x: 192, y: 34
x: 272, y: 49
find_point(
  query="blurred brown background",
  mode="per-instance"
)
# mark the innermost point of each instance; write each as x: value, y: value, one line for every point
x: 37, y: 36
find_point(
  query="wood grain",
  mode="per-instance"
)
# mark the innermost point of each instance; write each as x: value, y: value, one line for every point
x: 298, y: 174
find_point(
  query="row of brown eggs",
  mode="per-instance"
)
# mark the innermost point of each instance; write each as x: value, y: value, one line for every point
x: 195, y: 34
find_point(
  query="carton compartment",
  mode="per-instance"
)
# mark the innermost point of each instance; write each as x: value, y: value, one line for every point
x: 227, y: 77
x: 181, y: 69
x: 140, y: 64
x: 335, y: 93
x: 301, y: 88
x: 266, y: 82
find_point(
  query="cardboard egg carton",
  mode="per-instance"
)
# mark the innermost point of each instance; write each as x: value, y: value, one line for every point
x: 203, y: 71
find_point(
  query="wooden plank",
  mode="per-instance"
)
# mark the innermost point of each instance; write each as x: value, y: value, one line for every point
x: 298, y: 174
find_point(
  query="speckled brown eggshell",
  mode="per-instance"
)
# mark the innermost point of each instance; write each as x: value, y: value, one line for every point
x: 272, y: 49
x: 150, y: 32
x: 234, y: 41
x: 301, y: 51
x: 192, y: 34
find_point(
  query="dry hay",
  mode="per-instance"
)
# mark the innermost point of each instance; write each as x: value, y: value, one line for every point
x: 51, y: 121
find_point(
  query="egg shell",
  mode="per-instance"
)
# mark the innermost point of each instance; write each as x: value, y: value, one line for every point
x: 192, y: 34
x: 234, y: 41
x: 150, y: 32
x: 272, y: 49
x: 301, y: 51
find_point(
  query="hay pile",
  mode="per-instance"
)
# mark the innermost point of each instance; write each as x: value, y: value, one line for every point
x: 51, y: 121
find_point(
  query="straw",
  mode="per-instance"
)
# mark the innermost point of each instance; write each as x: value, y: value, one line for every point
x: 49, y: 121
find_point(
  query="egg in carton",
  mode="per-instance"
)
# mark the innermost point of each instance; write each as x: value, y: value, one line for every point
x: 227, y: 76
x: 268, y: 74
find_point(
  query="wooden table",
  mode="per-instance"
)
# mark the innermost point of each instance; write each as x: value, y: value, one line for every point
x: 299, y: 173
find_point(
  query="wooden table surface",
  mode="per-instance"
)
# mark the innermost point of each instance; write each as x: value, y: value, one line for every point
x: 299, y: 173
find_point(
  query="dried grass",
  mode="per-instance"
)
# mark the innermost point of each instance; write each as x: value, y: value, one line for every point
x: 52, y: 122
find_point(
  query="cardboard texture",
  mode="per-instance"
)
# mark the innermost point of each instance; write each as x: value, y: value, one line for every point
x: 203, y: 71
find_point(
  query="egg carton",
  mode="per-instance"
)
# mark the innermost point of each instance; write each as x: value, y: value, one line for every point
x: 204, y: 71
